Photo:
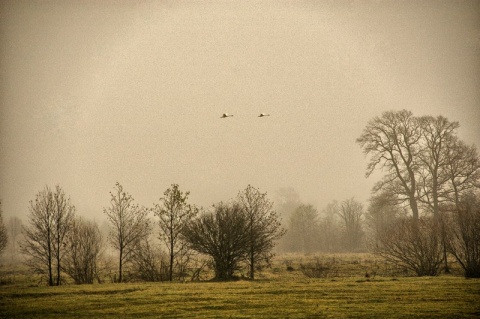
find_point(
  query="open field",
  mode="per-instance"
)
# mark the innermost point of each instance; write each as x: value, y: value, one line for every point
x: 428, y: 297
x: 276, y: 294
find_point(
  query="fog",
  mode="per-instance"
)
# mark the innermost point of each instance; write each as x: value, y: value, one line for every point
x: 92, y: 93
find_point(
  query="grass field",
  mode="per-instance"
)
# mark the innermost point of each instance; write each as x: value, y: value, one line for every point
x: 276, y: 294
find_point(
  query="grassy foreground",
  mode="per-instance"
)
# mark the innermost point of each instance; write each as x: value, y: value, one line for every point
x: 282, y: 297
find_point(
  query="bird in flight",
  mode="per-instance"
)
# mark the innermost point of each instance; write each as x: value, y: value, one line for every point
x: 225, y: 115
x: 263, y: 114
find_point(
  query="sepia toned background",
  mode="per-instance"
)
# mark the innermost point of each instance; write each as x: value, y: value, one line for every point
x: 95, y: 92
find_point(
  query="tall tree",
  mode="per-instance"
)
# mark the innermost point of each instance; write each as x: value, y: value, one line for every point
x: 351, y: 214
x: 129, y: 224
x: 462, y: 170
x: 303, y: 230
x: 14, y: 230
x: 173, y: 213
x: 437, y: 132
x: 382, y: 213
x: 392, y: 141
x: 264, y: 226
x: 63, y: 215
x: 50, y: 220
x: 329, y: 228
x: 3, y: 232
x: 222, y: 235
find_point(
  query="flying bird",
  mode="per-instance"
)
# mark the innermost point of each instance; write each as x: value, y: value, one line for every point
x: 263, y: 114
x: 225, y: 115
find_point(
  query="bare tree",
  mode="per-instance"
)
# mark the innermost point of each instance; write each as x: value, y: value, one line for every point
x: 286, y: 201
x: 303, y: 230
x: 462, y: 169
x: 351, y: 214
x: 329, y: 228
x: 50, y: 220
x: 392, y: 141
x: 14, y: 231
x: 129, y: 224
x: 173, y: 214
x: 63, y: 216
x: 436, y: 135
x: 222, y: 235
x: 149, y: 262
x: 464, y: 235
x: 84, y: 243
x: 3, y: 232
x: 264, y: 226
x: 381, y: 214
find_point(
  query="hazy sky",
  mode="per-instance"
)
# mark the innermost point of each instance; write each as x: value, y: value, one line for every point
x: 95, y: 92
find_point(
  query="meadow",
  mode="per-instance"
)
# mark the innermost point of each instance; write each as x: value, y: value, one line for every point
x: 277, y: 293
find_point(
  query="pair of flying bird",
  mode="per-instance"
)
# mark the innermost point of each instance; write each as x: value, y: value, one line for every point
x: 229, y: 115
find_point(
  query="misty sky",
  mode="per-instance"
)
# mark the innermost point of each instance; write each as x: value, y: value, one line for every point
x: 95, y: 92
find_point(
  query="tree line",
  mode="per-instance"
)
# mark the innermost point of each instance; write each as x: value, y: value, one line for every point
x: 230, y: 237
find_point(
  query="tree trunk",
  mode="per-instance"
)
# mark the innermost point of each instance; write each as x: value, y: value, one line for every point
x: 50, y: 272
x: 120, y: 266
x: 171, y: 261
x: 414, y: 207
x: 58, y: 269
x: 252, y: 264
x: 58, y: 259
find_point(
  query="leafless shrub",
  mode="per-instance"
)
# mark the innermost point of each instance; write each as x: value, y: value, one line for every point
x: 413, y: 244
x: 318, y: 269
x: 84, y: 244
x: 289, y: 264
x: 148, y: 263
x: 464, y: 236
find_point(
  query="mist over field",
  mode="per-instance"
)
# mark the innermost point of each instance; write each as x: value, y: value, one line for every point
x: 95, y: 93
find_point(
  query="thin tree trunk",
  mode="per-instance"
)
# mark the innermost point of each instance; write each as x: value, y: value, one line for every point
x: 252, y: 264
x: 171, y: 261
x: 58, y: 269
x: 120, y: 266
x: 50, y: 272
x: 171, y: 249
x: 58, y: 258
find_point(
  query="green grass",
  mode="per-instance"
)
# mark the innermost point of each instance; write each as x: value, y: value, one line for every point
x: 281, y: 297
x: 277, y: 293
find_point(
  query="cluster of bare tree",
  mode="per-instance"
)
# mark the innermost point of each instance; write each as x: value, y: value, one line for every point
x: 233, y: 236
x: 339, y: 227
x: 432, y: 175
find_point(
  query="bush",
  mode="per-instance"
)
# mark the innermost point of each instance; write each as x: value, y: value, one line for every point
x: 413, y: 244
x: 317, y: 269
x: 463, y: 238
